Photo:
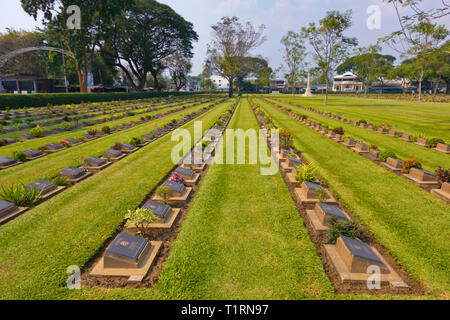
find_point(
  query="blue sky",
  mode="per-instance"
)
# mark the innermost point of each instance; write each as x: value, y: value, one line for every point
x: 279, y: 16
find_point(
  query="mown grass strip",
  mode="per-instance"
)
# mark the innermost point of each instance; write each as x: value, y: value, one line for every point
x: 431, y: 119
x: 42, y: 167
x: 411, y: 223
x: 36, y: 248
x: 430, y: 159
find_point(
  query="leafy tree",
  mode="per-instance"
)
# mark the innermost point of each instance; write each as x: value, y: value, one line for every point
x: 206, y: 81
x: 179, y: 68
x: 94, y: 21
x: 263, y: 78
x: 231, y: 44
x: 250, y: 66
x: 294, y: 54
x: 146, y: 34
x: 418, y: 37
x: 328, y: 41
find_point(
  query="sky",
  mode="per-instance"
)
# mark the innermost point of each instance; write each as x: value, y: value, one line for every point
x: 279, y: 16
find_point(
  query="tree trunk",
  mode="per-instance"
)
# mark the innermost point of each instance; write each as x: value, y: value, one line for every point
x: 230, y: 89
x: 447, y: 81
x: 420, y: 89
x: 326, y: 91
x: 293, y: 91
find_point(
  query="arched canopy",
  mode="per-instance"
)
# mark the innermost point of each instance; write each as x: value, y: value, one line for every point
x: 12, y: 54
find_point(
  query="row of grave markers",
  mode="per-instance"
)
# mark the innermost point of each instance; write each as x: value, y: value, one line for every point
x: 132, y: 256
x: 33, y: 154
x: 92, y: 165
x: 441, y: 147
x: 421, y: 178
x: 350, y: 258
x: 27, y: 137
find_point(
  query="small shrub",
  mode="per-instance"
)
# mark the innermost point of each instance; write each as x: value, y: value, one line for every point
x: 117, y: 146
x: 432, y: 143
x: 19, y: 194
x: 36, y: 132
x: 386, y: 154
x: 106, y: 130
x: 165, y: 193
x: 19, y: 156
x: 2, y: 142
x: 135, y: 141
x: 66, y: 126
x: 443, y: 175
x: 141, y: 219
x: 322, y: 194
x: 346, y: 229
x: 42, y: 148
x: 307, y: 172
x: 92, y: 132
x: 361, y: 121
x: 373, y: 147
x: 411, y: 163
x: 59, y: 180
x: 286, y: 138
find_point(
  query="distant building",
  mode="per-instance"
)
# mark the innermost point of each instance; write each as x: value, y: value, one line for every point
x: 18, y: 83
x: 277, y: 84
x: 220, y: 82
x: 347, y: 83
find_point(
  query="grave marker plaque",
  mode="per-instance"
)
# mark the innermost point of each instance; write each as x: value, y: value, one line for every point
x: 326, y: 212
x: 6, y: 161
x: 54, y: 146
x: 72, y: 173
x: 184, y: 172
x: 395, y: 163
x: 6, y: 208
x: 126, y: 251
x: 43, y: 187
x: 95, y: 162
x: 358, y: 256
x: 177, y: 188
x: 113, y: 153
x: 159, y: 209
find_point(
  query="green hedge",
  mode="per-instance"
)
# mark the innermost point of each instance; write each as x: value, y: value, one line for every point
x: 15, y: 101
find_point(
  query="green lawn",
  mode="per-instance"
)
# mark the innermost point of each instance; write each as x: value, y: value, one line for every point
x: 37, y: 247
x: 430, y: 119
x: 410, y: 222
x: 430, y: 159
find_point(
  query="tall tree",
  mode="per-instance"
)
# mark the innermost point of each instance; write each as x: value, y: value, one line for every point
x: 232, y: 42
x: 179, y: 68
x: 95, y: 16
x: 329, y: 44
x: 250, y: 67
x: 294, y: 53
x: 143, y: 37
x: 419, y: 36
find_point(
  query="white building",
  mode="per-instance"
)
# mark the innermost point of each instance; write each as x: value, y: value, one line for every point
x: 220, y: 82
x: 347, y: 83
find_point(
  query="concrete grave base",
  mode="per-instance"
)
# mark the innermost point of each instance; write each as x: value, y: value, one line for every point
x: 292, y: 179
x: 318, y: 226
x: 52, y: 193
x: 164, y: 225
x: 390, y: 168
x: 441, y: 194
x: 301, y: 195
x: 196, y: 167
x: 193, y: 181
x: 11, y: 165
x: 13, y: 214
x: 130, y: 151
x: 284, y: 167
x: 134, y: 274
x: 73, y: 181
x: 115, y: 159
x: 446, y: 152
x: 182, y: 198
x: 97, y: 169
x: 345, y: 275
x: 425, y: 184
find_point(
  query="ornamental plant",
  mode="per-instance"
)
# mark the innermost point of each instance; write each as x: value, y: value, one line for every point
x: 36, y: 132
x: 322, y: 194
x: 286, y: 138
x: 19, y: 156
x: 106, y: 130
x: 386, y: 154
x: 432, y: 143
x: 165, y: 193
x: 346, y: 229
x: 339, y: 130
x: 20, y: 195
x: 306, y: 172
x: 411, y: 163
x: 135, y: 141
x: 177, y: 178
x: 141, y: 219
x: 117, y: 146
x: 443, y: 175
